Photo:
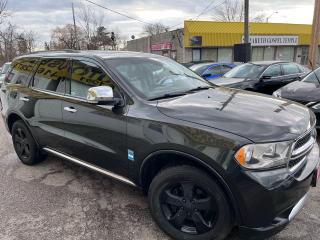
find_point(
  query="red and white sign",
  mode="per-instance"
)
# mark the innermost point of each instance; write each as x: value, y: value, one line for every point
x: 161, y: 46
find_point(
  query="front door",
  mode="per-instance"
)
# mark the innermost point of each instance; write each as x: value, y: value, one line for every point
x: 94, y: 133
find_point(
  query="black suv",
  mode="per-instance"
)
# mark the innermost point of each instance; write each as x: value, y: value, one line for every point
x: 209, y: 158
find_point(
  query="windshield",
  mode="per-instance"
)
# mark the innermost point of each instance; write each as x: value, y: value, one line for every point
x: 247, y: 70
x: 313, y: 77
x: 200, y: 68
x: 5, y: 68
x: 154, y: 77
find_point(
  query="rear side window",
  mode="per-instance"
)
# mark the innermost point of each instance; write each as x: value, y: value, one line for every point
x: 290, y: 69
x: 20, y: 71
x: 86, y: 75
x: 51, y: 75
x: 273, y: 71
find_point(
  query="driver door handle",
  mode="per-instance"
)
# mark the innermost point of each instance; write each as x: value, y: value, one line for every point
x: 70, y: 109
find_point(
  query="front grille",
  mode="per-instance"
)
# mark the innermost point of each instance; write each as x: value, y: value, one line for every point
x: 294, y: 162
x: 302, y: 148
x: 302, y: 141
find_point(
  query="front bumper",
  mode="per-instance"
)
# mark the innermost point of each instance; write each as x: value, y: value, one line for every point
x: 278, y: 224
x: 271, y: 199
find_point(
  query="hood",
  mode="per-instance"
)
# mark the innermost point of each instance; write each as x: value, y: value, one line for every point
x: 227, y: 81
x: 257, y: 117
x: 303, y: 92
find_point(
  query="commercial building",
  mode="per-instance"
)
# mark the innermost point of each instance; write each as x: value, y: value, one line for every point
x: 214, y: 41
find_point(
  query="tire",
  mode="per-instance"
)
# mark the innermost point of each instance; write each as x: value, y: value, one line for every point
x: 25, y: 145
x: 170, y: 203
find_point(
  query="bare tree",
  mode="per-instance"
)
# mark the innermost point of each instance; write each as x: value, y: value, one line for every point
x: 3, y: 8
x: 64, y: 37
x: 233, y: 11
x: 154, y: 29
x: 89, y: 21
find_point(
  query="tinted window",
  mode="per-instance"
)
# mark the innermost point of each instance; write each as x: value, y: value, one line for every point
x: 200, y: 68
x: 20, y: 71
x: 214, y: 70
x: 51, y: 75
x: 273, y: 71
x: 86, y: 75
x: 290, y: 69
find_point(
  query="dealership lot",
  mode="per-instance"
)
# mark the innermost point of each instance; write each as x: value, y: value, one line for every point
x: 59, y: 200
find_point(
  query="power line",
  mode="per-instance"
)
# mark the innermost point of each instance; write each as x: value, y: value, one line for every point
x: 206, y: 9
x: 119, y: 13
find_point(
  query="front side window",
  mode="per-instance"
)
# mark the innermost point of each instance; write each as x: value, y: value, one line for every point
x: 248, y: 70
x: 51, y: 75
x: 273, y: 71
x: 153, y: 77
x: 20, y: 71
x: 290, y: 69
x: 86, y: 75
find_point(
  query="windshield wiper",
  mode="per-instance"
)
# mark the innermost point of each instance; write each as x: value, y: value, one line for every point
x: 168, y: 95
x: 198, y: 89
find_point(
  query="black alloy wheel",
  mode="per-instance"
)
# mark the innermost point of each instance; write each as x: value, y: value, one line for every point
x: 188, y: 204
x: 25, y: 145
x: 189, y: 208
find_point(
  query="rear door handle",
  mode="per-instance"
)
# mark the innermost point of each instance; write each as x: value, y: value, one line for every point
x: 24, y: 99
x: 70, y: 109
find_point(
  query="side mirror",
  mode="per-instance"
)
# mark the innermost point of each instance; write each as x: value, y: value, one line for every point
x: 103, y: 94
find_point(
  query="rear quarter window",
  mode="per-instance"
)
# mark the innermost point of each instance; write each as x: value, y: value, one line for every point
x: 20, y: 71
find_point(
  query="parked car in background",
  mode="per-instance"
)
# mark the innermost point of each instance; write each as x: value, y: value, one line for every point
x: 263, y: 77
x: 207, y: 157
x: 306, y: 91
x: 3, y: 72
x: 212, y: 70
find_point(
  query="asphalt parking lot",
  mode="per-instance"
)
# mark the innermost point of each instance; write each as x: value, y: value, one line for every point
x: 59, y: 200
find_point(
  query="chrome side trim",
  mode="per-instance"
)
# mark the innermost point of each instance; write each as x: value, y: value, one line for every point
x: 90, y: 166
x: 297, y: 207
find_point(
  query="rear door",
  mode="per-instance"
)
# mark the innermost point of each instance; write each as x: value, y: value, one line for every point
x: 94, y: 133
x: 44, y: 101
x: 291, y: 73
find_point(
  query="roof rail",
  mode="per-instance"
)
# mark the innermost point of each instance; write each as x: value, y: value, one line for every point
x: 57, y: 51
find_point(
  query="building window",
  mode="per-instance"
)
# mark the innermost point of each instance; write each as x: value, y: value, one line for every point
x: 209, y: 54
x: 225, y: 55
x: 196, y: 55
x: 269, y: 53
x: 257, y: 53
x: 285, y: 54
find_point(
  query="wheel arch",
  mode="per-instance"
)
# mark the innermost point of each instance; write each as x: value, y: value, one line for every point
x: 162, y: 159
x: 12, y: 118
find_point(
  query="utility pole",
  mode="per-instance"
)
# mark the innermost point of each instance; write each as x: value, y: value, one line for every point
x: 246, y: 21
x: 75, y: 28
x: 313, y: 49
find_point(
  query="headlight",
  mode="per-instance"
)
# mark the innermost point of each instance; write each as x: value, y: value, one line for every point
x: 263, y: 156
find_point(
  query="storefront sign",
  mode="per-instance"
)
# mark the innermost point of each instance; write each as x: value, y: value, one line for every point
x: 161, y: 46
x: 267, y: 40
x: 196, y: 40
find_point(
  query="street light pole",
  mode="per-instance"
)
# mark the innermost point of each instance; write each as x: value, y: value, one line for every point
x: 271, y: 16
x: 246, y: 21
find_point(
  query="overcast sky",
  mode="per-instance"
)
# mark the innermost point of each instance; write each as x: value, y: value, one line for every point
x: 42, y: 16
